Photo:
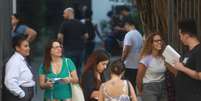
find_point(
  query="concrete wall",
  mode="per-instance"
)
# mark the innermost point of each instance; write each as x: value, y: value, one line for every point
x: 5, y: 47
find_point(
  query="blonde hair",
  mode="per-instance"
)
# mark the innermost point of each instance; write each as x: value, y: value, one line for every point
x: 147, y: 47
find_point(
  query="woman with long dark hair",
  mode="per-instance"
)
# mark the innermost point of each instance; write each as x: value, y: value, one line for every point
x: 56, y: 73
x: 93, y: 74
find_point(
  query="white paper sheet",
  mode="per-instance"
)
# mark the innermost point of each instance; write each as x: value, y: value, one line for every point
x: 170, y: 54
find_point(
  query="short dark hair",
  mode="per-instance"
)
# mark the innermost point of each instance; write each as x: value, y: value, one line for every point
x: 130, y: 21
x: 117, y: 67
x: 18, y: 39
x: 124, y: 8
x: 17, y: 15
x: 20, y: 17
x: 188, y: 26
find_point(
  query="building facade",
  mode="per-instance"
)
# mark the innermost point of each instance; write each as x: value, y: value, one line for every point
x: 5, y: 48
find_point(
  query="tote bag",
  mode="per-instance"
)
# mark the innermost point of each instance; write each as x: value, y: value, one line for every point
x: 77, y: 94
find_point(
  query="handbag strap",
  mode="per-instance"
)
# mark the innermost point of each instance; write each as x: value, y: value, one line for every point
x: 67, y: 66
x: 129, y: 93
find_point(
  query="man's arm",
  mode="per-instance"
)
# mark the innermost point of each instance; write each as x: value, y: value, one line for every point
x: 171, y: 69
x: 31, y: 34
x: 60, y: 37
x: 86, y: 36
x: 126, y: 51
x: 63, y: 28
x: 191, y: 73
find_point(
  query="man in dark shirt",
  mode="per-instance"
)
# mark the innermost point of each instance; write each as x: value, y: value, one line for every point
x: 118, y: 32
x: 91, y: 29
x: 188, y: 78
x: 73, y: 35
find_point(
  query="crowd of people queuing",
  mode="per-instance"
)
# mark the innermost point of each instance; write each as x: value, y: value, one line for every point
x: 141, y: 70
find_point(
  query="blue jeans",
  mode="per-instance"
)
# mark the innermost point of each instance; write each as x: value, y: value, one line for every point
x: 154, y: 92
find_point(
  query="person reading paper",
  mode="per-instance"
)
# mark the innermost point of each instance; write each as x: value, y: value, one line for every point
x: 188, y: 78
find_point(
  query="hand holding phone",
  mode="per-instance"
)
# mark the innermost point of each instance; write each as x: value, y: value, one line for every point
x: 49, y: 83
x: 67, y: 80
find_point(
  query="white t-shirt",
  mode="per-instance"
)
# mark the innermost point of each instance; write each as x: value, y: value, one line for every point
x: 155, y: 71
x: 134, y: 39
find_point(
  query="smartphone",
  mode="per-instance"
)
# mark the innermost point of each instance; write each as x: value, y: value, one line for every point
x: 55, y: 80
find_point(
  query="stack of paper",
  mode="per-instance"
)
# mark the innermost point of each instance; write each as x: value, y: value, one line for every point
x: 170, y: 54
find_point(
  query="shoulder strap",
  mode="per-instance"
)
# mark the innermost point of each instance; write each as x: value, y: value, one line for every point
x: 67, y: 66
x: 129, y: 93
x: 125, y: 87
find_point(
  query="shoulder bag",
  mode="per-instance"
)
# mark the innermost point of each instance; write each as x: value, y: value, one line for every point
x: 77, y: 94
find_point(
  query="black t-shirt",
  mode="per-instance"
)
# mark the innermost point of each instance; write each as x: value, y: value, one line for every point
x: 89, y: 84
x: 90, y: 30
x: 187, y: 88
x: 73, y: 31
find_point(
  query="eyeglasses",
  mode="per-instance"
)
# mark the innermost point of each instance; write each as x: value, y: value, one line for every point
x: 159, y: 40
x: 55, y: 47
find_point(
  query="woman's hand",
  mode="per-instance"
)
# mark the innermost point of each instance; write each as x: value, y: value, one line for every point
x: 67, y: 80
x: 74, y: 78
x: 95, y: 94
x: 49, y: 84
